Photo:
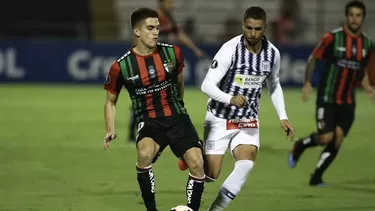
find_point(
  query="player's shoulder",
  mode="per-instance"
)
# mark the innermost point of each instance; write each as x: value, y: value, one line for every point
x: 233, y: 42
x: 335, y: 31
x: 272, y: 47
x: 366, y: 37
x: 124, y: 56
x: 166, y: 45
x: 229, y: 46
x: 160, y: 44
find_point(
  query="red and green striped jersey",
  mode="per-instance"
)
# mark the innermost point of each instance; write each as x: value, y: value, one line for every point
x: 346, y: 56
x: 150, y: 80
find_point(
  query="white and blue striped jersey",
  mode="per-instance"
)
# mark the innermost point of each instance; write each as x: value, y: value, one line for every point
x: 235, y: 70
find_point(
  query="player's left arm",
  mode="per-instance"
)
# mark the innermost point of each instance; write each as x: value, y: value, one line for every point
x: 276, y: 92
x: 277, y: 96
x: 366, y: 83
x: 185, y: 39
x: 180, y: 74
x: 366, y: 79
x: 219, y: 67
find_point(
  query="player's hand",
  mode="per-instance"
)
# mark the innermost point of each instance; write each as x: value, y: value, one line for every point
x: 306, y: 91
x: 238, y: 100
x: 109, y: 136
x: 288, y: 128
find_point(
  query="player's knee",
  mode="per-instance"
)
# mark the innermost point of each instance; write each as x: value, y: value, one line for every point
x: 145, y: 155
x: 339, y: 136
x: 147, y: 150
x: 194, y: 160
x: 326, y: 138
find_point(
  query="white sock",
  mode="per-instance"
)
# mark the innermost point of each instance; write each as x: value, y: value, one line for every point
x: 232, y: 185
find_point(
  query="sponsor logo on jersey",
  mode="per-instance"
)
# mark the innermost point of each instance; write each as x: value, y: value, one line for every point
x: 249, y: 81
x: 233, y: 124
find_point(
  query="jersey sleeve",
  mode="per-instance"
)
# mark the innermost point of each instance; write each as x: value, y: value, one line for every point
x: 321, y: 50
x: 114, y: 80
x: 370, y: 54
x: 218, y: 69
x: 275, y: 89
x: 180, y: 59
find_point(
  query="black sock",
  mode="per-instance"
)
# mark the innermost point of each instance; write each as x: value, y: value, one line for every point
x: 304, y: 143
x: 326, y: 158
x: 146, y: 181
x: 194, y: 192
x: 310, y: 141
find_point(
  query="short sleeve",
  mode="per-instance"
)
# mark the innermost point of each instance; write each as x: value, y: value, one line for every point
x: 320, y: 50
x: 370, y: 54
x: 273, y: 78
x: 180, y: 59
x: 114, y: 80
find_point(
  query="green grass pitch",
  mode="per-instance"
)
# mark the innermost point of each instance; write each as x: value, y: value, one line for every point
x: 52, y: 157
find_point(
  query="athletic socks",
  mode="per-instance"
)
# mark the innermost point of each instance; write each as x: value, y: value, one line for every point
x: 194, y: 192
x: 146, y: 181
x: 232, y: 185
x: 326, y: 158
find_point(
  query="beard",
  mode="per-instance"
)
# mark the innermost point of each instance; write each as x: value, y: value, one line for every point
x: 354, y: 30
x: 253, y: 41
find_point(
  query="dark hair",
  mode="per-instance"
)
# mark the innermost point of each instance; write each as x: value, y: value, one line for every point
x: 142, y: 14
x: 357, y: 4
x: 256, y: 13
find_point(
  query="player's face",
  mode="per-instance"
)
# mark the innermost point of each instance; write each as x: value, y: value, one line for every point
x: 253, y: 30
x: 167, y: 5
x: 149, y: 32
x: 354, y: 18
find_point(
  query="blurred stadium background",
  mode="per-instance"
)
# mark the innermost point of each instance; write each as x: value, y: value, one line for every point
x: 54, y: 56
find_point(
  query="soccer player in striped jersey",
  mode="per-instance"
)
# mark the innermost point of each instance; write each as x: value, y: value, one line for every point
x: 152, y: 74
x: 345, y: 51
x: 234, y: 84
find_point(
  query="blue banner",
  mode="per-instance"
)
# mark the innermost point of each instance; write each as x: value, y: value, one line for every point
x: 88, y: 62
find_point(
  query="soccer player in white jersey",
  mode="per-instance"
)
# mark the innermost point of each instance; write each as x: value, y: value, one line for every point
x: 234, y: 83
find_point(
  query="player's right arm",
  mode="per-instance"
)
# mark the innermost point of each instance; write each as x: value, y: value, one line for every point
x: 320, y: 52
x: 113, y: 85
x: 219, y: 67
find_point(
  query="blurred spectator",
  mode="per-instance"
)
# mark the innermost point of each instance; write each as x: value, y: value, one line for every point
x: 289, y: 25
x: 231, y: 28
x: 168, y: 26
x: 189, y: 28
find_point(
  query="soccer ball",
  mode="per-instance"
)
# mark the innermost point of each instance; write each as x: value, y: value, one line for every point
x: 181, y: 208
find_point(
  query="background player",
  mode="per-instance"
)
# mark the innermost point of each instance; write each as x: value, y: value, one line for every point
x: 152, y: 74
x: 234, y: 85
x: 346, y: 52
x: 168, y: 26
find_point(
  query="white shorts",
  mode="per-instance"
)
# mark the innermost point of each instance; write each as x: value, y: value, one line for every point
x: 217, y: 138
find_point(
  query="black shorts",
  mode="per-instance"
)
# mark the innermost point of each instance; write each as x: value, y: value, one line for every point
x: 329, y: 116
x: 178, y: 132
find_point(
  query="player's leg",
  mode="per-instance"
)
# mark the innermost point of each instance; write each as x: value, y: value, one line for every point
x: 185, y: 143
x: 244, y: 147
x: 344, y: 123
x: 325, y: 121
x: 148, y: 150
x: 216, y: 142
